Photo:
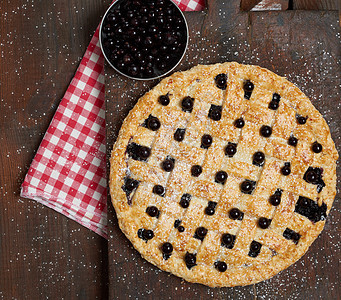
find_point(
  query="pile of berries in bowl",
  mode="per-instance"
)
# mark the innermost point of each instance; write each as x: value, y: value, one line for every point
x: 144, y: 39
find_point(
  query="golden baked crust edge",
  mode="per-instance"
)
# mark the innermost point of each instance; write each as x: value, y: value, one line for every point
x: 242, y: 276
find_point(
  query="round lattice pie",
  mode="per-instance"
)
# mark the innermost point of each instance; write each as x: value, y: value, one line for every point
x: 223, y: 174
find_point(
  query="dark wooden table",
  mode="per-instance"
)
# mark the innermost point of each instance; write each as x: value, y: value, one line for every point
x: 302, y: 45
x: 44, y: 254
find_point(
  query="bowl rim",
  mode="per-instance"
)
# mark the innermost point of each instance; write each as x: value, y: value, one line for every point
x: 135, y: 78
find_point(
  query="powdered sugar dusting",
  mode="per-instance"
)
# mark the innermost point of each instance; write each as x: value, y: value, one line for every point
x: 309, y: 63
x: 44, y: 254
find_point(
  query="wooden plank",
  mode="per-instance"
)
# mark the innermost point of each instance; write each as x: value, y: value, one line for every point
x: 316, y: 4
x: 43, y: 253
x: 271, y: 5
x: 300, y: 45
x: 247, y: 5
x: 283, y: 43
x: 130, y: 276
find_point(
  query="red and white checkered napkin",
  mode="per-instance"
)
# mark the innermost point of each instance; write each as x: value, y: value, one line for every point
x: 68, y: 172
x: 190, y: 5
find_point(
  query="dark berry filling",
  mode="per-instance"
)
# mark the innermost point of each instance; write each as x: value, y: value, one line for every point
x: 215, y: 112
x: 231, y: 149
x: 311, y: 176
x: 129, y: 186
x: 264, y: 222
x: 153, y: 211
x: 187, y: 104
x: 159, y: 190
x: 247, y: 95
x: 292, y: 141
x: 206, y: 141
x: 291, y: 235
x: 239, y: 123
x: 221, y: 81
x: 184, y: 203
x: 275, y: 199
x: 181, y: 228
x: 314, y: 176
x: 138, y: 152
x: 190, y: 260
x: 247, y: 186
x: 301, y: 120
x: 276, y: 97
x: 248, y: 88
x: 310, y: 209
x: 200, y: 233
x: 179, y: 134
x: 236, y: 214
x: 316, y: 147
x: 168, y: 164
x: 177, y: 223
x: 139, y: 233
x: 286, y: 169
x: 185, y: 199
x: 221, y: 177
x: 145, y: 234
x: 152, y: 123
x: 210, y: 209
x: 212, y: 204
x: 265, y: 131
x: 255, y: 248
x: 221, y: 266
x: 227, y: 240
x: 196, y: 170
x: 273, y: 105
x: 164, y: 100
x: 167, y: 249
x: 258, y: 159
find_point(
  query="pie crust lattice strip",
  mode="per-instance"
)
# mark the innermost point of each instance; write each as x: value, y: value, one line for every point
x: 223, y: 174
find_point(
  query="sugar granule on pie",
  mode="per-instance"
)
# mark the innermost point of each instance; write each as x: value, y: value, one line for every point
x: 223, y: 175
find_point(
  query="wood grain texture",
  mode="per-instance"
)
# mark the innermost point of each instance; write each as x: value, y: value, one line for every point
x: 247, y: 5
x: 302, y: 45
x: 43, y: 254
x: 271, y: 5
x: 316, y: 4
